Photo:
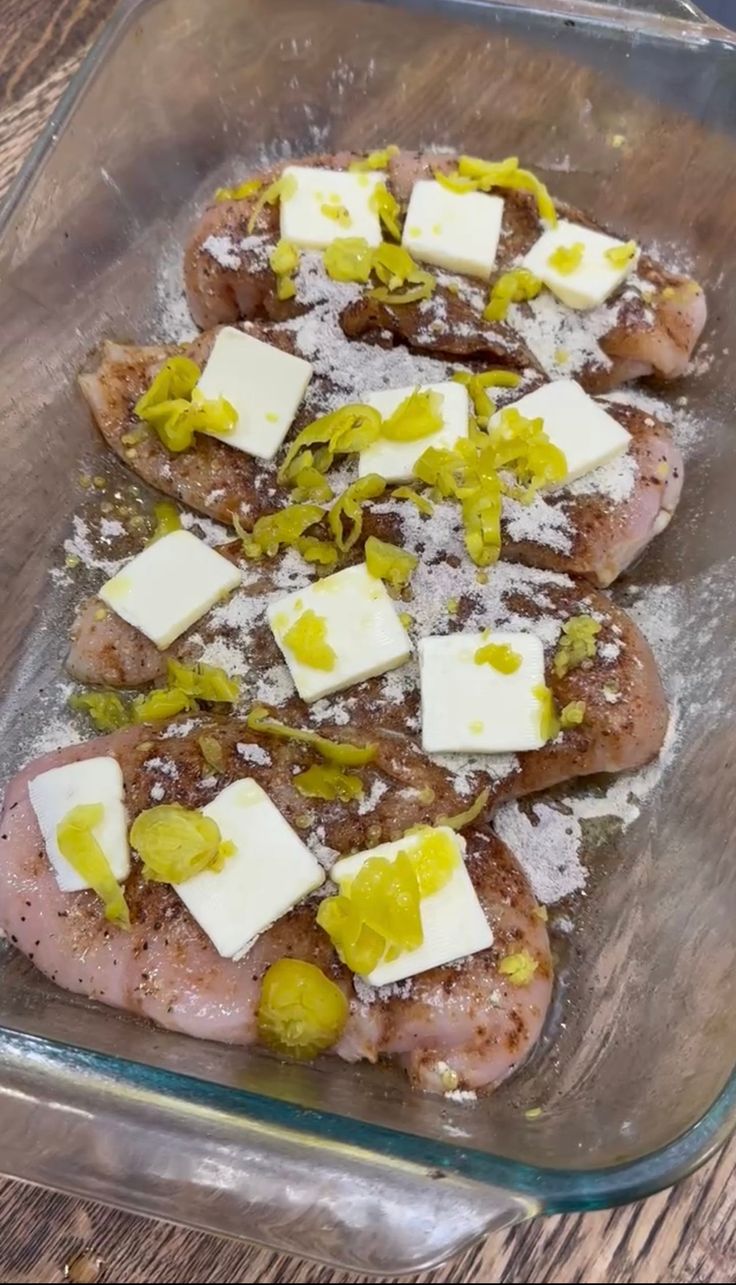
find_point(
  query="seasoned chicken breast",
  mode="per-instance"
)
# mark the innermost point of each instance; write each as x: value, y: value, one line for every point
x: 625, y: 708
x: 594, y: 528
x: 649, y: 327
x: 466, y: 1021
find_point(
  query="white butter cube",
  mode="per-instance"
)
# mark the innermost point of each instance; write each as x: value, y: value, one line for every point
x: 164, y: 589
x: 302, y: 213
x: 589, y: 284
x: 474, y: 708
x: 264, y: 384
x: 453, y: 920
x: 92, y: 780
x: 361, y: 627
x: 585, y: 433
x: 269, y: 872
x: 454, y: 230
x: 395, y: 460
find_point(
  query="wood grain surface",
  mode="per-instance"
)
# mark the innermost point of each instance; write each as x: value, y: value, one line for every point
x: 684, y: 1235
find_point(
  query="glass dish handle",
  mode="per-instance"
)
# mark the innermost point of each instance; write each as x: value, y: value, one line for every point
x: 126, y: 1141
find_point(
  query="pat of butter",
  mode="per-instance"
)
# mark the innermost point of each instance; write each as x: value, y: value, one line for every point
x: 362, y: 628
x: 169, y: 585
x: 454, y: 230
x: 263, y: 384
x: 270, y: 871
x: 453, y: 920
x: 56, y: 792
x: 395, y: 460
x: 303, y: 220
x: 585, y: 433
x: 473, y: 708
x: 593, y: 280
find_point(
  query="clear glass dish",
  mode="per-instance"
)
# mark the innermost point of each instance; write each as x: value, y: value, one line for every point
x: 636, y: 1081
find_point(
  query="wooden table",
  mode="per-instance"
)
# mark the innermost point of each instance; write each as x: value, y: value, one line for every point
x: 687, y: 1234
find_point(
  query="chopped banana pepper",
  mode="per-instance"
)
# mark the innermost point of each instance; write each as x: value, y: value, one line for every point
x: 176, y: 843
x: 273, y: 530
x: 167, y: 520
x: 307, y: 640
x: 388, y: 562
x: 212, y: 753
x: 77, y: 844
x: 577, y: 644
x: 106, y: 709
x: 549, y: 724
x: 519, y: 968
x: 174, y: 407
x: 351, y: 428
x: 471, y: 473
x: 284, y: 261
x: 300, y: 1011
x: 516, y: 286
x: 401, y: 280
x: 341, y: 752
x: 461, y: 819
x: 489, y: 174
x: 374, y: 160
x: 500, y: 656
x: 323, y: 781
x: 387, y: 208
x: 345, y: 518
x: 418, y: 415
x: 239, y: 193
x: 620, y: 256
x: 572, y: 715
x: 282, y: 189
x: 566, y: 259
x: 377, y: 913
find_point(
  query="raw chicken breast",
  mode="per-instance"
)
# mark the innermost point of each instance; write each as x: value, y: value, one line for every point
x: 625, y: 707
x: 596, y: 534
x: 654, y: 325
x: 466, y: 1021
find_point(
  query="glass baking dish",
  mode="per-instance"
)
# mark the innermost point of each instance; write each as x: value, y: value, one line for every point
x: 628, y: 111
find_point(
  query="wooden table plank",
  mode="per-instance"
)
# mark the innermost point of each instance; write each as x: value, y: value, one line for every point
x: 685, y: 1235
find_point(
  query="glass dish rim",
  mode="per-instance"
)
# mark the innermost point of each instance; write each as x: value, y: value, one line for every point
x: 555, y: 1190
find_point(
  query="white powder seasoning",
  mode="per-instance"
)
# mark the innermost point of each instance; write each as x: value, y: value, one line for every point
x: 615, y: 480
x: 563, y: 341
x: 328, y: 710
x: 368, y: 994
x: 546, y: 843
x: 213, y: 533
x: 167, y: 767
x: 83, y: 545
x: 56, y: 734
x: 172, y: 322
x: 110, y: 528
x: 352, y: 369
x: 225, y: 655
x: 540, y: 521
x: 687, y: 428
x: 548, y: 840
x: 223, y: 250
x: 182, y: 729
x: 467, y: 767
x: 255, y: 754
x: 608, y: 651
x: 372, y: 798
